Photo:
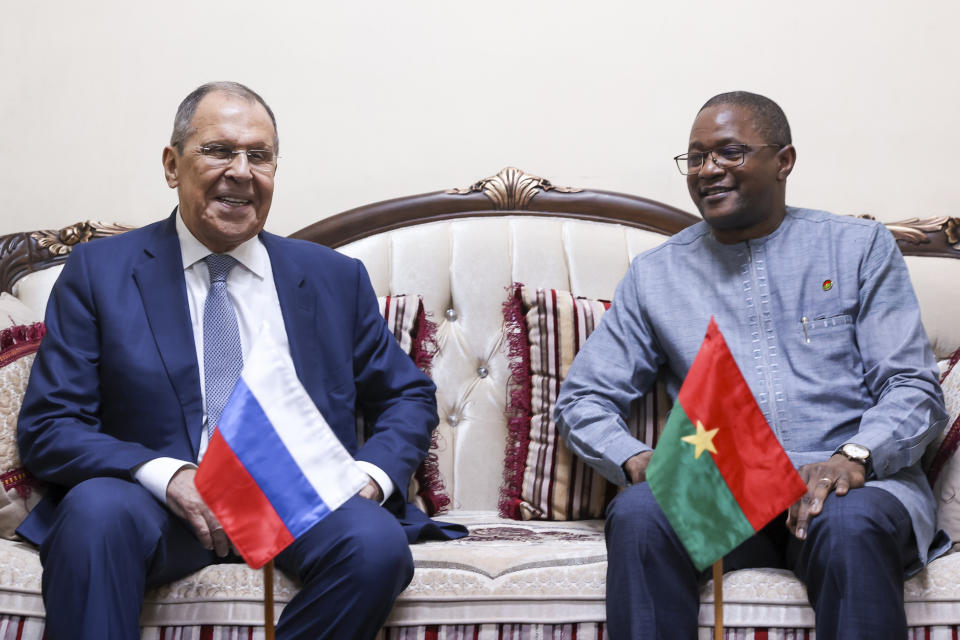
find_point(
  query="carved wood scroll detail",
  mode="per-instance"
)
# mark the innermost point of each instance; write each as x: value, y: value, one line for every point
x: 952, y: 230
x: 26, y: 252
x: 512, y: 188
x: 60, y: 243
x: 923, y: 230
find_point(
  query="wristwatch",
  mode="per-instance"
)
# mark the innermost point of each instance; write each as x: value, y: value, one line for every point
x: 857, y: 453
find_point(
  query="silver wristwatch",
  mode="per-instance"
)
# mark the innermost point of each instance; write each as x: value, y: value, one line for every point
x: 857, y: 453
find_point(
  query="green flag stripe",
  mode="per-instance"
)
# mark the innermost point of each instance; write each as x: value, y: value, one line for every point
x: 694, y: 496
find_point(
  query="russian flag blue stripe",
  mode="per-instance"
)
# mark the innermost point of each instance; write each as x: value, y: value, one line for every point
x: 251, y: 436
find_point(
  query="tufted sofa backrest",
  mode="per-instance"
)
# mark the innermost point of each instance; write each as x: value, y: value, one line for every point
x: 461, y: 249
x: 463, y: 269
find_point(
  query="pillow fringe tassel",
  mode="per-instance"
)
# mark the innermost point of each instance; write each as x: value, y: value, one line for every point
x: 432, y: 488
x: 518, y: 403
x: 20, y: 340
x: 951, y: 441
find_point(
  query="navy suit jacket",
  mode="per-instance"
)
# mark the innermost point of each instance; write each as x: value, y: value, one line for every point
x: 116, y: 383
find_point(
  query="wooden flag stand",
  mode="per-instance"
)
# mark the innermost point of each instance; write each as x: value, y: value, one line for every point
x: 268, y: 600
x: 718, y: 600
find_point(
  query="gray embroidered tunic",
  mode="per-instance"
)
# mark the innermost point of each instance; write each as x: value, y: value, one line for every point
x: 823, y: 322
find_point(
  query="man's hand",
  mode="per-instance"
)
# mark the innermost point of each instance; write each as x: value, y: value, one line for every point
x: 839, y: 474
x: 185, y: 501
x: 371, y: 491
x: 636, y: 467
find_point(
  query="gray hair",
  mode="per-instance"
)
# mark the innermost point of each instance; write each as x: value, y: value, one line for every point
x: 187, y: 109
x: 769, y: 117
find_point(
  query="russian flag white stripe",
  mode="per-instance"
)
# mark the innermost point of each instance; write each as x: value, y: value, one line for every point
x: 270, y: 375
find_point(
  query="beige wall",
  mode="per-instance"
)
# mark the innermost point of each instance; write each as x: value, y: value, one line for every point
x: 377, y: 98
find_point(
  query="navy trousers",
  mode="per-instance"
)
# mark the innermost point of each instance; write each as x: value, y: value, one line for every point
x: 111, y: 540
x: 852, y: 563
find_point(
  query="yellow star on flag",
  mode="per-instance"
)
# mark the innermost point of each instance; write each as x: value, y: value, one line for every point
x: 702, y: 440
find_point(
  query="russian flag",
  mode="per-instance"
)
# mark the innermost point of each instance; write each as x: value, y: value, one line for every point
x: 273, y: 468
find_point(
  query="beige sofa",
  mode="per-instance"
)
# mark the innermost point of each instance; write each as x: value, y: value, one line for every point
x: 461, y: 250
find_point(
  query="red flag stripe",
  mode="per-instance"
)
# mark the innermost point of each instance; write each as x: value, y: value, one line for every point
x: 750, y: 484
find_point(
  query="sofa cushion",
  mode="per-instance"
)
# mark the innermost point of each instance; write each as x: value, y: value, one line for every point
x: 543, y: 480
x: 33, y: 289
x: 14, y: 312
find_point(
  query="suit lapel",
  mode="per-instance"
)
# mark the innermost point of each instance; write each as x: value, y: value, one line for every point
x: 160, y: 281
x: 298, y: 304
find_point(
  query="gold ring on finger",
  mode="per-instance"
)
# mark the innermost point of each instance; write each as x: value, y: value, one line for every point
x: 827, y: 480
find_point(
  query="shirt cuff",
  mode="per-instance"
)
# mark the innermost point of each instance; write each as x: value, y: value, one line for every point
x: 156, y: 474
x: 379, y: 476
x: 622, y: 448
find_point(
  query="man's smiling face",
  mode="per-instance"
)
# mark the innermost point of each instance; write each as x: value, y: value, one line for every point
x: 740, y: 202
x: 223, y: 205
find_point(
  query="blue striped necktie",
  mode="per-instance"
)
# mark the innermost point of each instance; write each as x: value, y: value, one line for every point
x: 222, y: 353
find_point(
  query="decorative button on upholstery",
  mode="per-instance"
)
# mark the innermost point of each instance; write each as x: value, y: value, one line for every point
x: 451, y: 315
x: 482, y: 372
x: 453, y: 419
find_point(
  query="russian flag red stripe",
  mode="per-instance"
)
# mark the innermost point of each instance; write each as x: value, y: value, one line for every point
x: 256, y: 531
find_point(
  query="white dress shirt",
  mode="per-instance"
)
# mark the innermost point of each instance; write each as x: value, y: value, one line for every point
x: 253, y: 293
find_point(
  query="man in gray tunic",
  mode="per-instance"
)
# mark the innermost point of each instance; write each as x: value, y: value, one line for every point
x: 821, y: 318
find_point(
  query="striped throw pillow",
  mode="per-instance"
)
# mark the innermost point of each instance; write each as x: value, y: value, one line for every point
x: 417, y: 335
x: 543, y: 479
x: 21, y: 491
x: 943, y: 466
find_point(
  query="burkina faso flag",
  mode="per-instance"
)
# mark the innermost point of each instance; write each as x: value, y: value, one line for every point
x: 718, y: 472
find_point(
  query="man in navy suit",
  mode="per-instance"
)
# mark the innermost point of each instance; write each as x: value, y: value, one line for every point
x: 115, y: 415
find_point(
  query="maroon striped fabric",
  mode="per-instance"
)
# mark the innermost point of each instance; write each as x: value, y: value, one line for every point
x: 543, y: 480
x: 417, y: 335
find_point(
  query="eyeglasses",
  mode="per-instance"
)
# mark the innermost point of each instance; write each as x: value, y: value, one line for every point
x: 221, y: 155
x: 726, y: 157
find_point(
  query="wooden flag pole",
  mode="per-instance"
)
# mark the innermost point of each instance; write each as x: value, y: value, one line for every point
x: 268, y: 600
x: 718, y: 600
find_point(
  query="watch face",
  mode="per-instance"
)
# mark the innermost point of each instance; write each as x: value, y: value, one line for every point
x: 856, y: 451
